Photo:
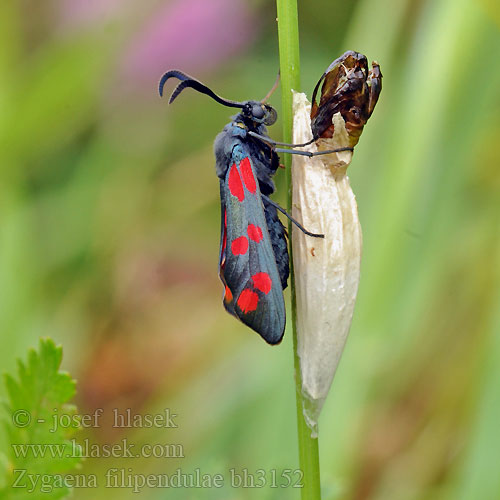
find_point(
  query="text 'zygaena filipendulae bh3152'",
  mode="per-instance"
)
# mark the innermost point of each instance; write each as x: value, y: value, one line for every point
x: 327, y: 271
x: 253, y: 262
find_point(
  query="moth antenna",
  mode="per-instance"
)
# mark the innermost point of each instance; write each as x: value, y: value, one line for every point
x: 174, y: 73
x: 274, y: 87
x: 189, y: 81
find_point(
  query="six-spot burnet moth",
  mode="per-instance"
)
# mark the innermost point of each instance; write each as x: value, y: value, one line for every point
x: 253, y: 261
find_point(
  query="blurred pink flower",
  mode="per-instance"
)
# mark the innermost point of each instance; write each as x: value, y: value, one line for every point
x: 191, y: 35
x: 76, y: 13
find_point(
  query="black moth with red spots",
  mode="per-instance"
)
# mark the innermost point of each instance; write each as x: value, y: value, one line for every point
x: 253, y: 263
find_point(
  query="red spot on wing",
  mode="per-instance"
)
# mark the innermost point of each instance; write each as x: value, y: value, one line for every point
x: 254, y: 233
x: 224, y: 234
x: 239, y: 246
x: 234, y: 183
x: 247, y: 174
x: 262, y: 282
x: 228, y: 296
x: 247, y: 301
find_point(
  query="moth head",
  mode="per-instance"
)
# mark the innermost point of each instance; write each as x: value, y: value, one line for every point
x: 259, y: 112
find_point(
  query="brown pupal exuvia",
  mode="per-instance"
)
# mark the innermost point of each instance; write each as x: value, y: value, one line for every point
x: 327, y: 270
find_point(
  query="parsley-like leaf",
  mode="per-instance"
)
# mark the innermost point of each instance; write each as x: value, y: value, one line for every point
x: 38, y: 452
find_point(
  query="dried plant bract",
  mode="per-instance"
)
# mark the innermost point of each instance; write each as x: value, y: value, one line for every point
x: 327, y: 270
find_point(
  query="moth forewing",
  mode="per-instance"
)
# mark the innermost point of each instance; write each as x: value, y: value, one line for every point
x: 326, y: 270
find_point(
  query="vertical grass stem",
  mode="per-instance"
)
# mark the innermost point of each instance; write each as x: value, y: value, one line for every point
x: 288, y: 35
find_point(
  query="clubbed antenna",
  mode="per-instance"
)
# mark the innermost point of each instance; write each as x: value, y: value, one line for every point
x: 189, y: 81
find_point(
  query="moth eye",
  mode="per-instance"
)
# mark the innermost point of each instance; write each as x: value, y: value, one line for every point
x: 258, y: 112
x: 271, y: 116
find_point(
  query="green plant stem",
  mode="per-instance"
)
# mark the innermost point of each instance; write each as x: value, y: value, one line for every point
x: 288, y: 35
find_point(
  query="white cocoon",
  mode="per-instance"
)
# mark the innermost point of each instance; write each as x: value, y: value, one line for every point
x: 326, y: 270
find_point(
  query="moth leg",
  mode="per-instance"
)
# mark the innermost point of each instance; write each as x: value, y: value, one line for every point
x: 284, y: 212
x: 268, y: 140
x: 311, y: 154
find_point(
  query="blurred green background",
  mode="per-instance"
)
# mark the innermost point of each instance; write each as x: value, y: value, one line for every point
x: 110, y: 235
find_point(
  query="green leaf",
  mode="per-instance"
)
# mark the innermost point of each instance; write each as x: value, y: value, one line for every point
x: 39, y: 424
